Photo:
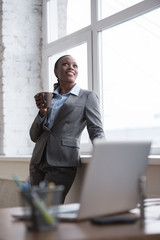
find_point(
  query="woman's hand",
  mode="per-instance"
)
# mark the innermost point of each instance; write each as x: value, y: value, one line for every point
x: 40, y: 104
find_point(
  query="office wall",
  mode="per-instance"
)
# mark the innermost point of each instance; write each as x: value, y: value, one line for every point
x: 20, y: 72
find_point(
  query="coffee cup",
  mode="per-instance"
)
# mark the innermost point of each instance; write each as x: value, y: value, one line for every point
x: 46, y: 98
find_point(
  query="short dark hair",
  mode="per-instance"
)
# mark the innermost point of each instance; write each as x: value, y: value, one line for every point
x: 56, y: 63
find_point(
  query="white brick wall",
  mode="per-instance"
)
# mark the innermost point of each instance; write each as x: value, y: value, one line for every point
x: 1, y: 94
x: 20, y: 72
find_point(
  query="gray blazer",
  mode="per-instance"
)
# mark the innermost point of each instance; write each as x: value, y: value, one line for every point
x: 62, y: 141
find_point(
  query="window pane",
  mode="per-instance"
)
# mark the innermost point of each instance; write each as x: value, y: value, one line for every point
x: 131, y: 79
x: 67, y: 16
x: 108, y: 8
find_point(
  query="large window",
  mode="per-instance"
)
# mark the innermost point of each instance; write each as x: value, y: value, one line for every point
x: 131, y: 79
x: 116, y: 44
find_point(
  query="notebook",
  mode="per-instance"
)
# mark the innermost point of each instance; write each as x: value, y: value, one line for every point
x: 111, y: 183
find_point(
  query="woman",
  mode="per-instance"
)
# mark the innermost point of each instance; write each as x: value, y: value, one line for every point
x: 57, y: 132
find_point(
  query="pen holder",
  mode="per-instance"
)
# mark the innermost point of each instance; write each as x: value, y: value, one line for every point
x: 41, y: 207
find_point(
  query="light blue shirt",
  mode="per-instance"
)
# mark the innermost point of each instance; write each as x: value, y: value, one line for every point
x: 58, y: 101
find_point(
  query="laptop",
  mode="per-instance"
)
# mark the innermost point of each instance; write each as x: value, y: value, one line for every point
x: 111, y: 183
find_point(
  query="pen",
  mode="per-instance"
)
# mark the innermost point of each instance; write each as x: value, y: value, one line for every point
x: 42, y: 209
x: 22, y: 187
x: 50, y: 193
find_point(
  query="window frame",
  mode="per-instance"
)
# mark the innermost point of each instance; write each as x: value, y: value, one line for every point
x: 91, y: 35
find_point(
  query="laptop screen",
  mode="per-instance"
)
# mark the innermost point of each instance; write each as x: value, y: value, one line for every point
x: 111, y: 183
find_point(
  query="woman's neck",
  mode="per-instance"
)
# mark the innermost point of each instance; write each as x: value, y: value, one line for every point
x: 66, y: 89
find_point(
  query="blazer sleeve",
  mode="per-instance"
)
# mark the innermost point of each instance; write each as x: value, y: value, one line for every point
x: 93, y: 117
x: 36, y: 129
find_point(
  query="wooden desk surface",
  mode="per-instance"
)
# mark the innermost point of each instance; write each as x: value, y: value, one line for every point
x: 16, y: 230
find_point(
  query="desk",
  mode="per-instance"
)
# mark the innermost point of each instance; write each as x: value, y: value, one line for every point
x: 12, y: 230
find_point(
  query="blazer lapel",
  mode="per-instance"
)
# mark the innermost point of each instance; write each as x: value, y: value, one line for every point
x: 67, y: 107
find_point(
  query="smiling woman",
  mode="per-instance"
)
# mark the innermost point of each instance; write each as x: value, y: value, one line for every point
x: 57, y: 131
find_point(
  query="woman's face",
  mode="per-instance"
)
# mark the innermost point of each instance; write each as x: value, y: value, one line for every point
x: 67, y: 70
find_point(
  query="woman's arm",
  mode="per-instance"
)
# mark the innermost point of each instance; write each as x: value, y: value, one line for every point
x: 93, y: 116
x: 36, y: 128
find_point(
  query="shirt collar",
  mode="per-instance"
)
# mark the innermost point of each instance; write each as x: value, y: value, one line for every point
x: 75, y: 90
